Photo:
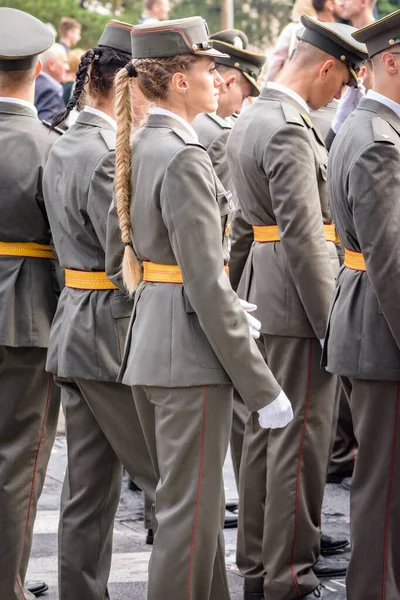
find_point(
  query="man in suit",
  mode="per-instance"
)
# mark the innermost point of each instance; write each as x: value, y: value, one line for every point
x: 29, y: 403
x: 363, y: 335
x: 49, y: 90
x: 278, y: 164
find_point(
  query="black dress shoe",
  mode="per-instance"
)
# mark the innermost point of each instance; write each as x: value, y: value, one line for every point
x: 328, y: 567
x: 346, y: 483
x: 132, y: 486
x: 37, y: 588
x: 317, y: 593
x: 231, y: 520
x: 150, y: 537
x: 232, y: 506
x: 338, y: 477
x: 330, y: 545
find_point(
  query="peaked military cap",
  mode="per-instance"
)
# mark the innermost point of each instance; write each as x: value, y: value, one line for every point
x: 234, y: 43
x: 381, y: 35
x: 336, y: 39
x: 22, y: 39
x: 117, y: 35
x: 171, y: 38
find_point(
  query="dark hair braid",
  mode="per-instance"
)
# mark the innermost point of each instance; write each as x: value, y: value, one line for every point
x: 80, y: 82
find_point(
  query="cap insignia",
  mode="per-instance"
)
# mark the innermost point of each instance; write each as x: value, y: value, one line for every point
x: 391, y: 42
x: 237, y: 65
x: 238, y: 43
x: 343, y: 57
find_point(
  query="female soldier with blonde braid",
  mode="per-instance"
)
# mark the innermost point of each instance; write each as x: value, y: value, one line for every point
x: 102, y: 426
x: 189, y: 337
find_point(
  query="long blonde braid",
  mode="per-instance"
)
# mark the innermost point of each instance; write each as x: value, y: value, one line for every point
x: 131, y: 271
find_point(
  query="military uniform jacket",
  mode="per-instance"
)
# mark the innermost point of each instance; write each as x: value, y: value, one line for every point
x: 28, y: 298
x: 89, y: 328
x: 195, y: 333
x: 278, y: 164
x: 363, y: 337
x: 213, y: 132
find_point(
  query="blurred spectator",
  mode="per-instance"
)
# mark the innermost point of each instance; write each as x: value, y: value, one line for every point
x: 327, y: 10
x: 154, y: 11
x: 360, y: 12
x: 49, y: 90
x: 74, y: 58
x: 287, y: 41
x: 70, y: 32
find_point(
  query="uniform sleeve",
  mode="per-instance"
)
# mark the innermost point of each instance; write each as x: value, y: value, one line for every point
x: 100, y: 195
x: 219, y: 159
x: 374, y: 187
x: 289, y: 163
x: 242, y: 240
x: 191, y: 215
x: 114, y: 249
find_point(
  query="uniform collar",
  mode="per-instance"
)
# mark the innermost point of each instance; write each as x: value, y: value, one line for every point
x: 168, y: 113
x: 272, y: 85
x: 224, y: 123
x: 102, y: 115
x: 20, y: 102
x: 372, y: 95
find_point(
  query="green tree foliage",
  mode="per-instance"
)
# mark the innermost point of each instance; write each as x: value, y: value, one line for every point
x: 260, y: 19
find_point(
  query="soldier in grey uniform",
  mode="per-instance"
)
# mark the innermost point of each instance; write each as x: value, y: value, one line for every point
x: 88, y: 332
x: 187, y: 318
x: 240, y: 71
x: 278, y: 163
x: 363, y: 335
x: 29, y: 402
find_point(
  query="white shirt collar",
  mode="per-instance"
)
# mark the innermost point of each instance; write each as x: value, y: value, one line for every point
x: 372, y: 95
x: 282, y: 88
x: 163, y: 111
x: 21, y: 102
x: 101, y: 114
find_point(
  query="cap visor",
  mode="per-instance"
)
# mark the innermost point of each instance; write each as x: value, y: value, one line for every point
x: 212, y: 52
x: 255, y: 89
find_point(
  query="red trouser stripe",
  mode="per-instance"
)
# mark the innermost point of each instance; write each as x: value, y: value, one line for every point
x: 300, y: 455
x: 203, y: 429
x: 42, y: 434
x: 389, y: 493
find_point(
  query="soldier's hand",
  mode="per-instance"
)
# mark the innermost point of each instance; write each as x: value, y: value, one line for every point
x: 347, y: 104
x: 254, y: 324
x: 277, y: 414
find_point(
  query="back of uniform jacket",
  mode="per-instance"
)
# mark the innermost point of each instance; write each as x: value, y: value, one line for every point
x: 27, y: 287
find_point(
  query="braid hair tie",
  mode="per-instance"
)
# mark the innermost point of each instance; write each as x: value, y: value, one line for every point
x: 132, y: 72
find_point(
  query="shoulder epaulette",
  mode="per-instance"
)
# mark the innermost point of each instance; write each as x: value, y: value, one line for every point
x: 291, y: 114
x: 223, y: 123
x: 56, y: 129
x: 383, y: 131
x: 186, y: 137
x: 109, y: 137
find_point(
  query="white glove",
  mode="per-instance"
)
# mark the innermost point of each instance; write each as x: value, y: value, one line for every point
x: 347, y: 104
x: 322, y: 342
x: 277, y: 414
x: 253, y: 323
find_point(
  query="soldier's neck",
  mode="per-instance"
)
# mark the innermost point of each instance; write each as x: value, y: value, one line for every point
x: 296, y: 82
x: 106, y: 105
x: 22, y: 93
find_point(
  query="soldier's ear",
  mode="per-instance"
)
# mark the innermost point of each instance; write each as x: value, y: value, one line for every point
x: 230, y: 80
x: 39, y: 67
x: 325, y: 68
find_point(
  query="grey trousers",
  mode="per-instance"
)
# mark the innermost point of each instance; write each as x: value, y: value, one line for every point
x: 374, y: 569
x: 344, y: 449
x: 240, y: 416
x: 282, y: 476
x: 29, y: 406
x: 102, y: 429
x: 188, y: 432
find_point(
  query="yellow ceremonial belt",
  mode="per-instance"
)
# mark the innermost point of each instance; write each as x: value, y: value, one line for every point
x: 88, y: 280
x: 28, y: 249
x: 270, y: 233
x: 354, y: 260
x: 164, y: 273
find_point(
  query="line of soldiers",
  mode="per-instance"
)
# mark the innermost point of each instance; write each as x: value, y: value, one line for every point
x: 152, y: 383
